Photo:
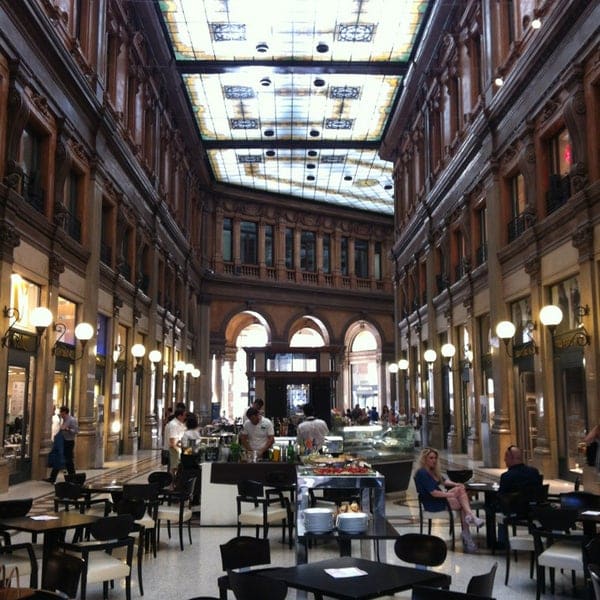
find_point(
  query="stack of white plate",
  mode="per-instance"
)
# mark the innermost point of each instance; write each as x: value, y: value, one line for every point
x: 318, y: 520
x: 352, y: 522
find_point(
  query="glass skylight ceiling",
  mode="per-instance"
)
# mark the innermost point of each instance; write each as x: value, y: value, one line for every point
x: 292, y: 96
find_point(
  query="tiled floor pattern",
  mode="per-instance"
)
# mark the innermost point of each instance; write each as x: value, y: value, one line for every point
x: 193, y: 572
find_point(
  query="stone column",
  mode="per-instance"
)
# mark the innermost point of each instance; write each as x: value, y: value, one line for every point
x: 85, y: 446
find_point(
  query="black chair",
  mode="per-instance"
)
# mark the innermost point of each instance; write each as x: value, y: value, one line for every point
x: 76, y: 478
x: 136, y: 509
x: 101, y: 565
x: 460, y: 475
x: 176, y: 508
x: 556, y: 544
x: 243, y: 552
x: 163, y: 480
x: 515, y: 508
x: 147, y: 493
x: 421, y: 549
x: 22, y: 557
x: 63, y: 572
x: 14, y: 508
x: 594, y: 571
x: 248, y: 586
x: 483, y: 585
x: 67, y: 494
x: 429, y: 516
x: 266, y: 507
x: 420, y: 592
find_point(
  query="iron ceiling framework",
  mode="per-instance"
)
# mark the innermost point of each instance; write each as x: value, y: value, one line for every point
x: 293, y: 96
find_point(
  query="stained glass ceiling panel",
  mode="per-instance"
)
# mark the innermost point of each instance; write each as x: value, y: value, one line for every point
x: 271, y: 80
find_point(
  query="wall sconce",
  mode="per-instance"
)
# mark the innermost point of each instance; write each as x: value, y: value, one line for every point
x: 393, y: 368
x: 179, y: 367
x: 403, y: 365
x: 40, y: 317
x: 84, y: 332
x: 195, y: 373
x: 505, y: 330
x: 448, y: 351
x: 430, y: 357
x: 154, y: 356
x: 551, y: 316
x: 138, y: 351
x: 116, y: 355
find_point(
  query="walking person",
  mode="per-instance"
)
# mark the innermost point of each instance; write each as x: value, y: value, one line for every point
x: 69, y: 429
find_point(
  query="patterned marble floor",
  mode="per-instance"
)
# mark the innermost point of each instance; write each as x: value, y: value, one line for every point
x: 193, y: 572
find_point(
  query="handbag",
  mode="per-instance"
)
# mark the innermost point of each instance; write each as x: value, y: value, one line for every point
x: 164, y: 457
x: 12, y: 593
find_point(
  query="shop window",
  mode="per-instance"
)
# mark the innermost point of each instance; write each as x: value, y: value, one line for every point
x: 248, y: 243
x: 227, y: 240
x: 519, y: 218
x: 326, y: 253
x: 344, y: 256
x: 308, y: 261
x: 361, y: 258
x: 559, y: 164
x: 31, y: 156
x: 289, y: 248
x: 269, y: 260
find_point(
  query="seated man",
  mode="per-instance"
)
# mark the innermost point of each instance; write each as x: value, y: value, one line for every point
x: 517, y: 477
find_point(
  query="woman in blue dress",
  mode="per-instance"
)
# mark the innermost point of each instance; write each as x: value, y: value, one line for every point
x: 438, y: 492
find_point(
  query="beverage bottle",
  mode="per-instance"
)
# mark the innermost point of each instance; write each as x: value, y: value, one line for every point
x: 290, y: 452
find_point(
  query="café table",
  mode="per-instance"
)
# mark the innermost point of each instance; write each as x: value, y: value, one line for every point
x: 51, y: 525
x: 379, y: 528
x: 490, y: 492
x: 379, y: 579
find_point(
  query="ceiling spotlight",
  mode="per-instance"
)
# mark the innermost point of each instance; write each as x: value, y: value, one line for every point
x: 499, y: 81
x: 319, y: 82
x: 322, y: 47
x: 270, y: 153
x: 311, y: 166
x: 387, y: 187
x: 310, y: 178
x: 269, y: 133
x: 262, y: 47
x: 312, y: 153
x: 347, y: 177
x: 265, y: 82
x: 536, y: 23
x: 314, y: 133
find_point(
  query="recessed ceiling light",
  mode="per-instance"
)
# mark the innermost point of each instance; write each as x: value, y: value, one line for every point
x: 262, y: 47
x: 265, y: 82
x: 270, y: 152
x: 269, y: 132
x: 322, y: 47
x: 312, y: 153
x: 310, y: 178
x: 536, y: 23
x: 318, y: 82
x: 314, y: 133
x: 499, y: 81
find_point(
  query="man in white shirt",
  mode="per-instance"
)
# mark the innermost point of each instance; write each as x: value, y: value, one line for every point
x: 312, y: 431
x: 174, y: 431
x: 257, y: 433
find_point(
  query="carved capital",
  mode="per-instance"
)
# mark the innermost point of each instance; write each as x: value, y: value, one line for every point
x: 533, y: 268
x: 583, y: 240
x: 9, y: 240
x: 56, y: 266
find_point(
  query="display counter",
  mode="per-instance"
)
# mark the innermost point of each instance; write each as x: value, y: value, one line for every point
x: 390, y: 450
